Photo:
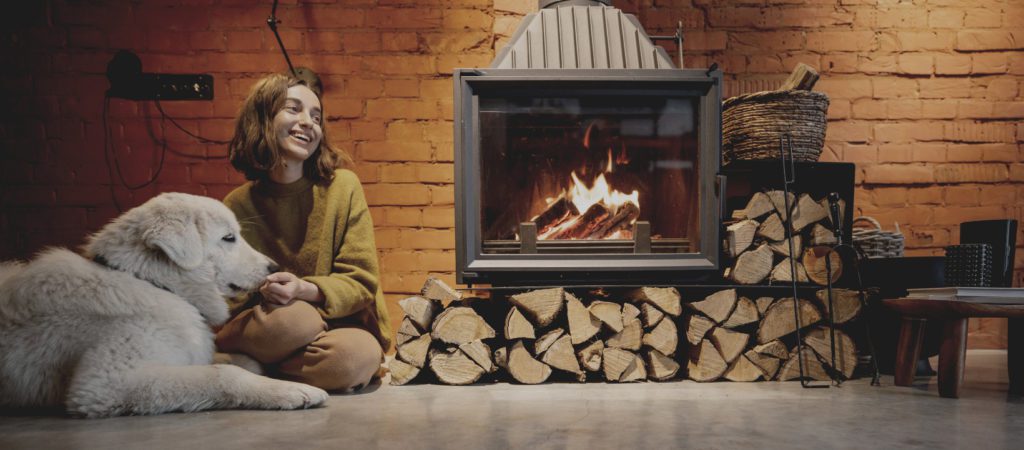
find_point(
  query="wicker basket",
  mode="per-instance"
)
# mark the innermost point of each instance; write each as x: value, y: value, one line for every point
x: 752, y: 124
x: 875, y: 242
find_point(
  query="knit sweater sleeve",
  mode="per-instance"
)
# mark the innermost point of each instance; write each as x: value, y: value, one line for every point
x: 354, y: 277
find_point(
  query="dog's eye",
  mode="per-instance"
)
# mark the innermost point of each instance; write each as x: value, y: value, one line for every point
x: 228, y: 238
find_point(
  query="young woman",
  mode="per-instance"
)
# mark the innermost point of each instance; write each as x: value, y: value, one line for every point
x: 321, y: 319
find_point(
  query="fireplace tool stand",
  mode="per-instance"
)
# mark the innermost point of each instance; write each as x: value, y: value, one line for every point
x: 788, y: 178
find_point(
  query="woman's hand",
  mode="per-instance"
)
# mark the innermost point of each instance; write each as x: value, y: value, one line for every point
x: 284, y: 288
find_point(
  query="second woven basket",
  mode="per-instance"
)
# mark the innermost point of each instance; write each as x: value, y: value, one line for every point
x: 753, y: 123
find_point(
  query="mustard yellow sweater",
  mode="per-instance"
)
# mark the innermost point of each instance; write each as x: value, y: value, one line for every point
x: 323, y: 234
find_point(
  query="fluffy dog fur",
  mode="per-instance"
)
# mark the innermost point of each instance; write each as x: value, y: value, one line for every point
x: 130, y: 334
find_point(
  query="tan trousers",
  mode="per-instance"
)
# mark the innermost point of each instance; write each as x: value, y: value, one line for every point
x: 293, y: 340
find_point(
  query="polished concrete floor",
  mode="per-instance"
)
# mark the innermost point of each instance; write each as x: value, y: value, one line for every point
x: 592, y: 416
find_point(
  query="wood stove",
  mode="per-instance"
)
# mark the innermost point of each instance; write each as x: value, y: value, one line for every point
x: 584, y: 157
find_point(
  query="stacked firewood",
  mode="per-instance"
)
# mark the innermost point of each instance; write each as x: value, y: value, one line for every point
x: 537, y: 335
x: 740, y: 339
x: 762, y: 249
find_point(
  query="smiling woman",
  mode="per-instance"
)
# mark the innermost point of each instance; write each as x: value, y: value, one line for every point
x: 322, y: 319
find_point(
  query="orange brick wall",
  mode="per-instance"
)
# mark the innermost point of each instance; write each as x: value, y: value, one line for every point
x: 925, y: 99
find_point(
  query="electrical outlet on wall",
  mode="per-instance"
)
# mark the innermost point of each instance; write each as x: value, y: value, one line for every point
x: 184, y: 86
x: 128, y: 81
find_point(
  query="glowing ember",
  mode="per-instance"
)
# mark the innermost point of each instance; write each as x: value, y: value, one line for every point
x: 584, y: 197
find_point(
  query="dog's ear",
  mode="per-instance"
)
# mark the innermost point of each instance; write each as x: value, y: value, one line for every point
x: 179, y: 239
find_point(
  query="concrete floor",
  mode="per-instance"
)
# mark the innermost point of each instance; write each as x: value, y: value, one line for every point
x: 573, y: 416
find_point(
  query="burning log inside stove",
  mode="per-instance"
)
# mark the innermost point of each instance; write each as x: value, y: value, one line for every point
x: 597, y: 222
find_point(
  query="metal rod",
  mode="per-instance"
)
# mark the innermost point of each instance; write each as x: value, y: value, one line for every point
x: 272, y: 22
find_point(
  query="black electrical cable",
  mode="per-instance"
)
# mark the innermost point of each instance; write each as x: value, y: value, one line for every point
x: 272, y: 23
x: 109, y: 153
x: 202, y: 140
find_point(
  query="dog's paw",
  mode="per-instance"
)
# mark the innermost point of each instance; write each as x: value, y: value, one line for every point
x: 290, y: 395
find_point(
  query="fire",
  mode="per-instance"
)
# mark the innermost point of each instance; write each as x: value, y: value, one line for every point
x: 596, y: 211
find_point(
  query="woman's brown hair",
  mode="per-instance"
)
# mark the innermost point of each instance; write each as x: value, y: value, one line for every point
x: 254, y: 149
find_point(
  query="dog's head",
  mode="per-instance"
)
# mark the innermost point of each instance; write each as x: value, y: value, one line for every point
x: 188, y: 244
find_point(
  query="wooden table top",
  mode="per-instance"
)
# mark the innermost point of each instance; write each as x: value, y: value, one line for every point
x: 918, y: 307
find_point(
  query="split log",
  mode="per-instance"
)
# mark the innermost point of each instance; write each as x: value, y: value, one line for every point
x: 763, y: 303
x: 743, y: 370
x: 729, y: 343
x: 560, y: 355
x: 807, y: 211
x: 402, y: 373
x: 630, y: 313
x: 480, y: 353
x: 415, y: 351
x: 822, y: 235
x: 454, y: 367
x: 769, y: 366
x: 779, y: 321
x: 501, y: 357
x: 782, y: 247
x: 420, y: 310
x: 820, y: 340
x: 706, y: 364
x: 697, y: 328
x: 758, y: 206
x: 739, y: 236
x: 783, y: 271
x: 557, y: 212
x: 582, y: 225
x: 651, y: 314
x: 814, y: 261
x: 778, y: 198
x: 661, y: 367
x: 666, y: 299
x: 637, y: 370
x: 524, y: 368
x: 437, y: 290
x: 664, y: 338
x: 590, y: 356
x: 546, y: 340
x: 406, y: 332
x: 615, y: 361
x: 775, y: 349
x: 517, y: 327
x: 772, y: 228
x: 609, y: 313
x: 542, y: 305
x: 460, y: 325
x: 717, y: 306
x: 802, y: 78
x: 625, y: 216
x: 744, y: 313
x: 753, y: 266
x: 813, y: 370
x: 582, y: 324
x: 846, y: 302
x: 630, y: 338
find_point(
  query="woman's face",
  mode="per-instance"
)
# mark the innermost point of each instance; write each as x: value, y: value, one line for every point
x: 298, y: 125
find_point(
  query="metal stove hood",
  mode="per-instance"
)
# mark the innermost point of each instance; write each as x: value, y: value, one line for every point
x: 581, y: 34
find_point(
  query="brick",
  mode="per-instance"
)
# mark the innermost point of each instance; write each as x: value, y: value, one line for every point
x: 435, y: 173
x: 903, y: 109
x: 518, y: 7
x: 839, y: 109
x: 397, y: 194
x: 924, y: 196
x: 983, y: 18
x: 860, y: 153
x: 974, y: 109
x: 928, y: 152
x: 439, y: 217
x: 1002, y: 89
x: 403, y: 217
x: 368, y: 131
x: 468, y: 19
x: 401, y: 109
x: 387, y: 238
x: 945, y: 88
x: 989, y: 63
x: 428, y: 239
x: 925, y: 40
x: 394, y: 151
x: 952, y: 64
x: 978, y: 40
x: 738, y: 17
x: 979, y: 132
x: 898, y: 174
x: 909, y: 131
x: 829, y: 41
x: 903, y: 18
x: 890, y: 196
x: 877, y: 64
x: 869, y: 109
x: 363, y: 88
x: 405, y: 18
x: 358, y: 42
x: 401, y: 42
x: 918, y: 237
x: 845, y: 87
x: 713, y: 40
x: 891, y: 87
x: 442, y: 195
x: 956, y: 215
x: 901, y: 153
x: 946, y: 18
x: 848, y: 131
x: 839, y: 63
x: 401, y: 88
x: 962, y: 195
x: 977, y: 173
x: 397, y: 173
x: 998, y: 195
x: 916, y: 64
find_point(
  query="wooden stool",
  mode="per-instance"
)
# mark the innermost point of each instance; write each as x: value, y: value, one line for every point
x: 953, y: 315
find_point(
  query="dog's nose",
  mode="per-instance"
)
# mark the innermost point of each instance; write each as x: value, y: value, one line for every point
x: 273, y: 267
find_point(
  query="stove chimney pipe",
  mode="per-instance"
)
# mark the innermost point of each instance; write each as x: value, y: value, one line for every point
x: 560, y: 3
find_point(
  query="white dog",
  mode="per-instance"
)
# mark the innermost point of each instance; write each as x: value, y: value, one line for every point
x: 127, y: 331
